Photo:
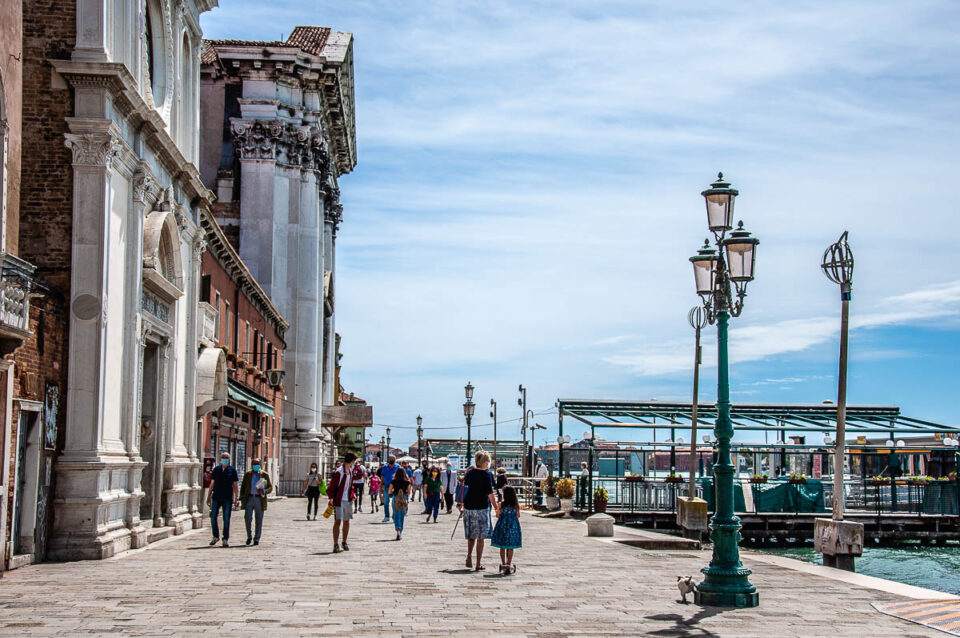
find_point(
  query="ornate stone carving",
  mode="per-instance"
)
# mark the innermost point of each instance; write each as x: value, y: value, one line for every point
x: 199, y: 246
x: 93, y: 149
x: 256, y: 139
x: 145, y: 187
x: 297, y: 142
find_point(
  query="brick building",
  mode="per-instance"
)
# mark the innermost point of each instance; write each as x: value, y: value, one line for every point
x: 32, y: 337
x: 241, y: 320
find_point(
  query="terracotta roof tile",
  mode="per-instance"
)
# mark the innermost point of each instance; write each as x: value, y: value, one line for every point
x: 310, y: 39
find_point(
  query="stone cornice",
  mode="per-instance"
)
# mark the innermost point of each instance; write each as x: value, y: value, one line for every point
x: 123, y: 87
x: 220, y: 247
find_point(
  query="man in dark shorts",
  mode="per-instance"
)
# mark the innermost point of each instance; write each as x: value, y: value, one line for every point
x: 224, y: 493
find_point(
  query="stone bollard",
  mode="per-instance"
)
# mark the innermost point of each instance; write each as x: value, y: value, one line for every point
x: 600, y: 525
x: 692, y: 517
x: 840, y: 542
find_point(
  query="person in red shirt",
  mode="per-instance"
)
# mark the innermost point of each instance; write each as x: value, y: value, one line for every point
x: 341, y: 496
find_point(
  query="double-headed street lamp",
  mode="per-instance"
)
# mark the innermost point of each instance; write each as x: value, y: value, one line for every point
x: 468, y: 408
x: 419, y: 440
x: 721, y: 277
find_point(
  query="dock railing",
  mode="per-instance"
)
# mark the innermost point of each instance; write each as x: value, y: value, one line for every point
x: 806, y: 496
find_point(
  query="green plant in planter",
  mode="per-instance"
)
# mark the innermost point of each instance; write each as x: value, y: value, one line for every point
x: 550, y: 486
x: 600, y: 494
x: 566, y: 488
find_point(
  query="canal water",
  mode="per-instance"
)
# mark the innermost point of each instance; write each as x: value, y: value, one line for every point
x: 931, y: 567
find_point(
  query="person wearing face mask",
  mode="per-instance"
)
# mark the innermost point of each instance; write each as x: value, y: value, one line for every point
x: 313, y: 487
x: 448, y: 484
x: 341, y: 496
x: 253, y: 496
x: 221, y: 497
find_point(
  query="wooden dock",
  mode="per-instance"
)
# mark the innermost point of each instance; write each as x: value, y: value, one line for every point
x: 788, y: 528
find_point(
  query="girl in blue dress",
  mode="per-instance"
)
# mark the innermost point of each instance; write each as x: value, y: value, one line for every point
x: 506, y: 535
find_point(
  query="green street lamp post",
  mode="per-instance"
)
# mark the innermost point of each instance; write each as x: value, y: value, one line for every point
x: 419, y: 441
x: 721, y: 277
x: 468, y: 409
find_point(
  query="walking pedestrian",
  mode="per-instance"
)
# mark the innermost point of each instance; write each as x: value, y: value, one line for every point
x: 374, y: 493
x: 340, y: 492
x: 224, y: 493
x: 432, y: 487
x: 507, y: 535
x: 313, y: 487
x: 418, y: 477
x: 253, y: 498
x: 400, y: 489
x: 388, y: 472
x: 359, y: 474
x: 541, y: 475
x: 448, y: 483
x: 477, y: 503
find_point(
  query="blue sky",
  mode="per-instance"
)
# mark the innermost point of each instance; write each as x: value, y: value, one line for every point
x: 527, y: 196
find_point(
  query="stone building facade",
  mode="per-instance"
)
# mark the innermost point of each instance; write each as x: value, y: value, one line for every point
x: 278, y: 131
x: 110, y: 117
x: 241, y: 320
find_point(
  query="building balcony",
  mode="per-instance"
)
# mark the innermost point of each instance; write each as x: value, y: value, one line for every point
x: 14, y: 302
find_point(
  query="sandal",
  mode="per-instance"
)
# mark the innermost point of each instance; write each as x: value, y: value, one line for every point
x: 480, y: 567
x: 469, y: 562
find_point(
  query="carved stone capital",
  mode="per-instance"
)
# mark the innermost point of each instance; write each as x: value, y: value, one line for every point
x: 257, y: 139
x: 199, y: 246
x: 145, y: 188
x: 93, y: 149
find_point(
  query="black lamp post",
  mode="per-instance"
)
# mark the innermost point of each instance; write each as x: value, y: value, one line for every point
x: 468, y: 408
x: 419, y: 440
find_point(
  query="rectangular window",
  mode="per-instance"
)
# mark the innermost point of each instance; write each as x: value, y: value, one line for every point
x: 205, y: 288
x: 256, y: 348
x: 270, y: 362
x: 216, y: 319
x: 226, y: 323
x: 263, y: 352
x: 246, y: 340
x: 228, y: 412
x: 359, y: 437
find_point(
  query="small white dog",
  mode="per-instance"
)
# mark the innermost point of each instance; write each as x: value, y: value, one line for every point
x: 686, y: 586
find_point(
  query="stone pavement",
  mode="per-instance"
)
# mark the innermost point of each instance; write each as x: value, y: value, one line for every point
x: 566, y: 585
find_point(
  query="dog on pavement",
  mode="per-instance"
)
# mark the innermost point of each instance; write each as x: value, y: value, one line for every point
x: 686, y: 586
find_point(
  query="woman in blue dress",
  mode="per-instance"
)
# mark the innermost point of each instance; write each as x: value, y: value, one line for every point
x: 506, y: 535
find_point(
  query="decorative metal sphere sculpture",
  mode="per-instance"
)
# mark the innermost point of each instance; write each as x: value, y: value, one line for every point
x: 838, y: 262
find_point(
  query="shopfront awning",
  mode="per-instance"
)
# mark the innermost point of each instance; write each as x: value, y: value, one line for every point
x: 243, y: 396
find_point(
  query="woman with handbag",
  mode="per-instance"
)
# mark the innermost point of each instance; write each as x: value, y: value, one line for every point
x: 313, y: 487
x: 400, y: 489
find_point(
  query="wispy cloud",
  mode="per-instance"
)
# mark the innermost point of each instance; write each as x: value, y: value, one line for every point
x: 527, y: 192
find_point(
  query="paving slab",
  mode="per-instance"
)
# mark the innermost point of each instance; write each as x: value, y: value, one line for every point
x: 292, y: 584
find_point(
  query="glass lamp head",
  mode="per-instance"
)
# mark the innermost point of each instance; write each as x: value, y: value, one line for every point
x: 720, y: 199
x: 705, y: 269
x: 741, y: 253
x: 468, y: 391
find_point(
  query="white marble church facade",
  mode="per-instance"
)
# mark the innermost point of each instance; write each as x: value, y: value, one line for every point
x: 130, y: 460
x: 278, y: 131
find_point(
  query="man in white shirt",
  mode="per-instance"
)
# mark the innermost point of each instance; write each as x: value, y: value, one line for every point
x: 448, y: 481
x: 417, y: 483
x: 540, y: 474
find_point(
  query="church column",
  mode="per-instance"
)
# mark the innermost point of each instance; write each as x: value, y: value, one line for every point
x: 90, y: 521
x: 331, y: 219
x: 307, y: 309
x: 146, y: 190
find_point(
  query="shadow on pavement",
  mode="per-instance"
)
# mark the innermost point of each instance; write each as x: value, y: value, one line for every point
x: 456, y: 571
x: 684, y: 626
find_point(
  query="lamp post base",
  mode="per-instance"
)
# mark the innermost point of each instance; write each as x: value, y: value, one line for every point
x: 739, y: 600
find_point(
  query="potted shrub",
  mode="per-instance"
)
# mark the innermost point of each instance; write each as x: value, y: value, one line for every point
x: 566, y: 489
x: 633, y: 478
x: 759, y: 478
x: 599, y: 500
x: 797, y: 479
x: 673, y: 478
x: 918, y: 480
x: 880, y: 480
x: 550, y: 491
